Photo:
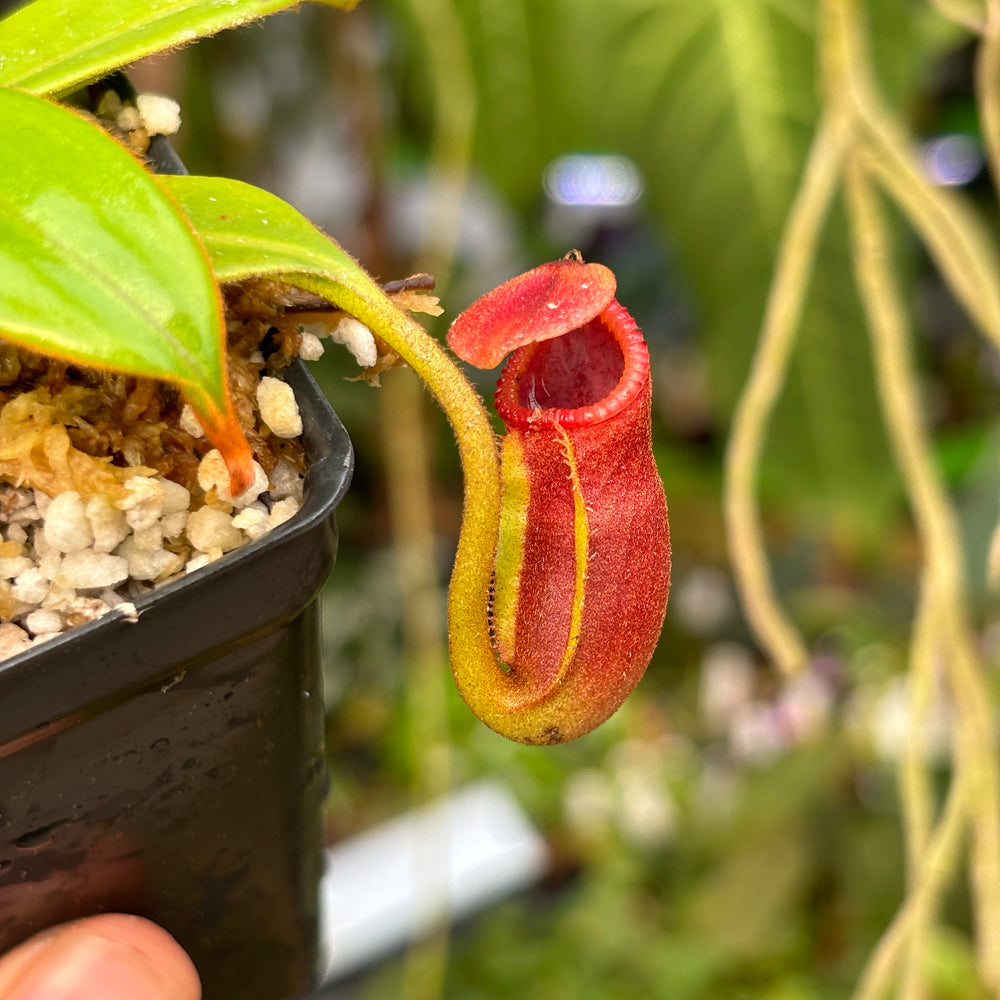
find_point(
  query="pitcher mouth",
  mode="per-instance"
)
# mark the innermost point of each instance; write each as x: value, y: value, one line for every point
x: 581, y: 378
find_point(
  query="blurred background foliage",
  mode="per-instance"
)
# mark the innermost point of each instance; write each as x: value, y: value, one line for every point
x: 728, y: 834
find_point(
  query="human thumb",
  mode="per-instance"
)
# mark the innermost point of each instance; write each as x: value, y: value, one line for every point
x: 108, y: 957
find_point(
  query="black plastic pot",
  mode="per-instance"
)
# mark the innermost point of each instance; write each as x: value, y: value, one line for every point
x: 173, y: 766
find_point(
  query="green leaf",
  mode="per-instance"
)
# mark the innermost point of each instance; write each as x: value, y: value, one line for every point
x: 55, y: 46
x: 249, y: 232
x: 97, y: 265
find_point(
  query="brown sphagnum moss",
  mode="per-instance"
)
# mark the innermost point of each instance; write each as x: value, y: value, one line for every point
x: 108, y: 487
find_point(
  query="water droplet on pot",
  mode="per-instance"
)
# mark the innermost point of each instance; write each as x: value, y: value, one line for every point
x: 35, y: 840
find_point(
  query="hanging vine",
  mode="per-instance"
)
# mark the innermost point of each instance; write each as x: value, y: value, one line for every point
x: 860, y: 150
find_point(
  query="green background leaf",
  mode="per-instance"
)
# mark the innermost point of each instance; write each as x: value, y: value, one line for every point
x: 96, y: 263
x: 54, y: 46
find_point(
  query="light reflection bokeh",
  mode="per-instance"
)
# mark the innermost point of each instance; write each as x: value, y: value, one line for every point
x: 592, y: 179
x: 952, y: 160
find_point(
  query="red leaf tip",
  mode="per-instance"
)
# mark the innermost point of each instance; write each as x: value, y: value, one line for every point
x: 224, y: 431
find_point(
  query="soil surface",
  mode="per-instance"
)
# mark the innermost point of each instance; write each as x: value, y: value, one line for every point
x: 108, y: 487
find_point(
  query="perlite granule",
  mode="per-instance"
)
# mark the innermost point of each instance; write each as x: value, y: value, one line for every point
x: 67, y: 560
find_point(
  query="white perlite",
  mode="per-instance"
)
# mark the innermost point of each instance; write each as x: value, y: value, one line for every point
x: 66, y: 526
x: 358, y: 339
x: 67, y: 560
x: 310, y: 347
x: 253, y: 520
x: 285, y: 481
x: 159, y: 115
x: 278, y: 408
x: 13, y: 639
x: 210, y: 530
x: 43, y: 622
x: 190, y: 423
x: 90, y: 571
x: 107, y: 523
x: 213, y: 475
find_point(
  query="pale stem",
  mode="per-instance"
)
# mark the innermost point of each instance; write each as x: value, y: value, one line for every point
x: 968, y: 13
x: 941, y: 857
x: 987, y: 70
x: 895, y: 381
x: 956, y: 238
x: 937, y: 525
x: 793, y: 269
x: 988, y: 87
x: 967, y: 259
x: 913, y: 775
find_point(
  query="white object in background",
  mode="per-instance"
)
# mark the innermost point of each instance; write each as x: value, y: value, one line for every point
x: 390, y: 885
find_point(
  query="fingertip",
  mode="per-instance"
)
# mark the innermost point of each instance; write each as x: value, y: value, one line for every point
x: 111, y: 956
x: 152, y: 942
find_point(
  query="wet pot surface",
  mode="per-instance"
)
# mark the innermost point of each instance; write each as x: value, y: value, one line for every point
x: 173, y: 766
